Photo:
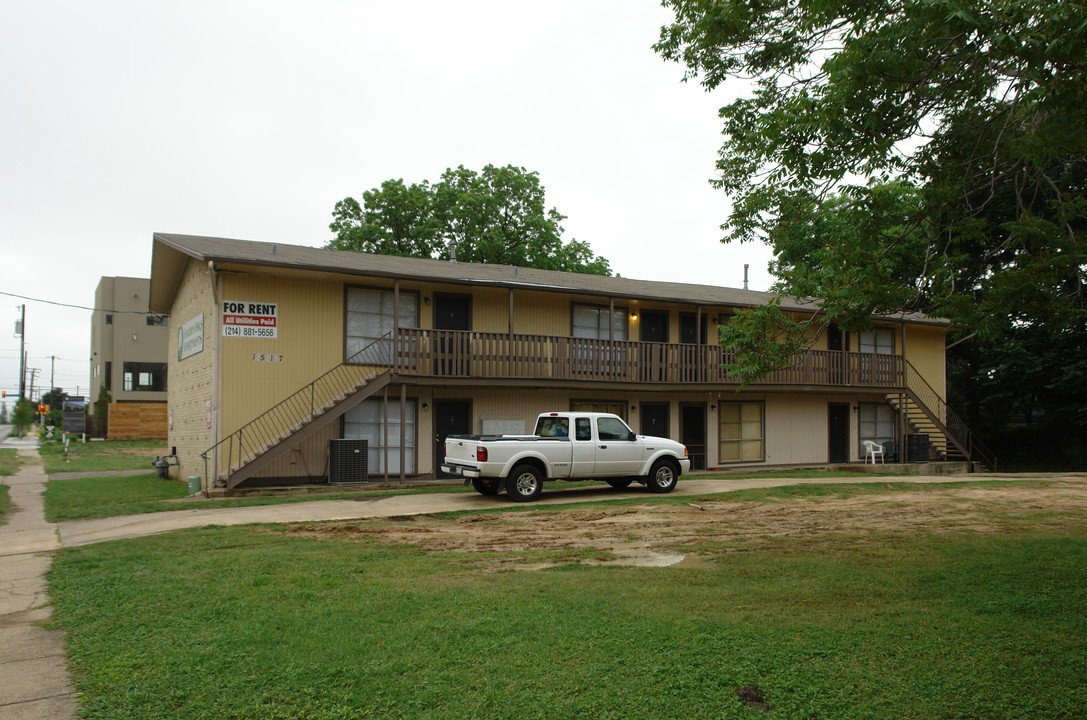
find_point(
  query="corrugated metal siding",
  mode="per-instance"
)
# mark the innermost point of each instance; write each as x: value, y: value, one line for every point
x: 536, y: 313
x: 309, y: 339
x: 490, y: 310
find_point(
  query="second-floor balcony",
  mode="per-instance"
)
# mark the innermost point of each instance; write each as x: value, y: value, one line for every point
x: 505, y: 356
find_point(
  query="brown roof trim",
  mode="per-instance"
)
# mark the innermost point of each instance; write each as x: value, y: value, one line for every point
x: 224, y: 250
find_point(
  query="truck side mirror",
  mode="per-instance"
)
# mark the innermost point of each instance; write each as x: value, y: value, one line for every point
x: 633, y: 436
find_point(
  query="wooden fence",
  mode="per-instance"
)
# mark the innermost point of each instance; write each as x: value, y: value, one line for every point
x: 137, y: 421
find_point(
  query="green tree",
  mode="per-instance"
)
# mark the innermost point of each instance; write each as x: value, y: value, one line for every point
x: 909, y: 155
x: 972, y: 112
x: 498, y: 215
x: 23, y: 415
x: 394, y: 219
x: 55, y: 399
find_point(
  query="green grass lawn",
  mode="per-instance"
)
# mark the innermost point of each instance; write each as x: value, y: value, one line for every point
x: 85, y: 498
x: 260, y: 622
x: 9, y: 462
x: 101, y: 497
x: 9, y: 465
x: 103, y: 455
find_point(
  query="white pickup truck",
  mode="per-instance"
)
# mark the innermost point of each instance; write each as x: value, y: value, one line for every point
x: 565, y: 446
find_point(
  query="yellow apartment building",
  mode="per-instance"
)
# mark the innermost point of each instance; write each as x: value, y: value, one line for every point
x: 277, y: 351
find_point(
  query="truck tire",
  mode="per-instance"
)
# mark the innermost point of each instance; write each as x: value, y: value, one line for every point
x: 662, y: 477
x: 487, y: 486
x: 524, y: 484
x: 619, y: 483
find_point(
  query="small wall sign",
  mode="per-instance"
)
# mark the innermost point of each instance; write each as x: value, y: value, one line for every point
x: 190, y: 337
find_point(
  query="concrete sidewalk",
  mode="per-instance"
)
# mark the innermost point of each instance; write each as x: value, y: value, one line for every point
x: 33, y: 664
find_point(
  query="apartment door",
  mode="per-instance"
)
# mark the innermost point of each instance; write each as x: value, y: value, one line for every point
x: 451, y: 417
x: 692, y: 432
x: 693, y: 362
x: 654, y: 329
x: 837, y: 432
x: 838, y: 342
x: 452, y: 350
x: 654, y: 419
x: 690, y: 331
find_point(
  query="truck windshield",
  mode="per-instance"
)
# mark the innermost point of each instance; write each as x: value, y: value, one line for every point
x: 553, y: 427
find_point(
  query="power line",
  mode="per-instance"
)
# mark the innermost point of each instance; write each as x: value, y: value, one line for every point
x: 81, y: 307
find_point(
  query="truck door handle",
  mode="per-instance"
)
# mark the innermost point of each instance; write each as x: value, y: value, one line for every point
x: 603, y: 447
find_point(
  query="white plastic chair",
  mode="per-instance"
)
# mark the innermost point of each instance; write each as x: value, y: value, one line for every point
x: 871, y: 450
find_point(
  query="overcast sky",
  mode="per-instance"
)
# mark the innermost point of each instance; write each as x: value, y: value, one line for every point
x: 252, y: 119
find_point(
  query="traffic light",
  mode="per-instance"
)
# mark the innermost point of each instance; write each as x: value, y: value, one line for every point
x: 43, y: 409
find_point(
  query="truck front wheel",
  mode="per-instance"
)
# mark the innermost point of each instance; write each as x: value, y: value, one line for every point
x: 487, y: 486
x: 524, y: 484
x: 662, y: 477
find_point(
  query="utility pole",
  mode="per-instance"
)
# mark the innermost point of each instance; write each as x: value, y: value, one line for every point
x: 20, y: 327
x: 52, y: 372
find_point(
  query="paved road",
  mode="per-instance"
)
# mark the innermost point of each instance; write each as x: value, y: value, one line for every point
x: 83, y: 532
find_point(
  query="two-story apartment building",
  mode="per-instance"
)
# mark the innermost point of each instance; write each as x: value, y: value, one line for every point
x: 128, y: 345
x: 276, y: 350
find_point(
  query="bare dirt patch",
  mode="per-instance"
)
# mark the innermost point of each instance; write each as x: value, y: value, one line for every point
x: 691, y: 533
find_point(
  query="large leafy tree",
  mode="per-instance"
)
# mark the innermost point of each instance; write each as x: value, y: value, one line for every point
x: 498, y: 215
x: 912, y: 155
x: 904, y: 154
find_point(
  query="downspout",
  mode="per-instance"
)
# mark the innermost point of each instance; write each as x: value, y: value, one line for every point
x: 611, y: 332
x: 217, y: 382
x: 396, y: 329
x: 385, y: 430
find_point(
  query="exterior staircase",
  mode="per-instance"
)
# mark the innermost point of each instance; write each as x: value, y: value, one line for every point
x: 926, y: 412
x: 258, y: 443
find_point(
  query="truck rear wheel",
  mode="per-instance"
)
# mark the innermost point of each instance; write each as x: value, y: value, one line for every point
x: 524, y: 484
x: 487, y: 486
x: 662, y: 477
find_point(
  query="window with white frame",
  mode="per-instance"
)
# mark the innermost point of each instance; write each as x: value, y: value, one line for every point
x: 742, y: 432
x: 877, y: 423
x: 370, y: 316
x: 365, y: 421
x: 880, y: 341
x: 591, y: 321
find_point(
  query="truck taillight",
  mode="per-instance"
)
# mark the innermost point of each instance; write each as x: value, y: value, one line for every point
x: 481, y: 454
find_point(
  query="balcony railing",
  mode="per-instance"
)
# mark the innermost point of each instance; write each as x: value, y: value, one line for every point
x: 503, y: 356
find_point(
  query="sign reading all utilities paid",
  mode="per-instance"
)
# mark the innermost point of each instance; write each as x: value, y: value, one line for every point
x: 249, y: 319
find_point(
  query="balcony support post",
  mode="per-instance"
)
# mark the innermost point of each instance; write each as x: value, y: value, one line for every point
x: 403, y: 415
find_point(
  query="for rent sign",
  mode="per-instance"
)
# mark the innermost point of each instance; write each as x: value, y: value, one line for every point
x: 249, y: 319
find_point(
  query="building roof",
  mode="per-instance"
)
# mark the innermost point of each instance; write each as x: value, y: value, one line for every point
x: 169, y: 253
